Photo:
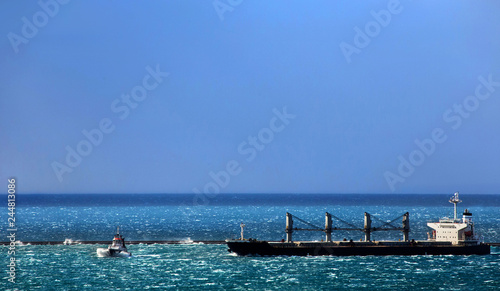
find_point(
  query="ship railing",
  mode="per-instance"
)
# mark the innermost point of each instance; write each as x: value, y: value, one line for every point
x: 449, y: 220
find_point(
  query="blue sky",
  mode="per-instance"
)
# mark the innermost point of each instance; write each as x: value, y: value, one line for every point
x: 250, y: 96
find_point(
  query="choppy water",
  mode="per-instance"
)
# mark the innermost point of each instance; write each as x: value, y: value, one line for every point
x: 211, y: 267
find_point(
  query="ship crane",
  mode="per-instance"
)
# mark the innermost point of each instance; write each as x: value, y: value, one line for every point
x: 367, y: 229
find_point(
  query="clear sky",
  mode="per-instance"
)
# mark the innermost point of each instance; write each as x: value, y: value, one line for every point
x: 240, y: 96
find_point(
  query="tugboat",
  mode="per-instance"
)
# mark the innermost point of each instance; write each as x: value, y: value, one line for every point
x: 117, y: 247
x: 450, y: 237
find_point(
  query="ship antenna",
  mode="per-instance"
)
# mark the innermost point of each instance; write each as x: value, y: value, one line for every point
x: 455, y: 201
x: 117, y: 230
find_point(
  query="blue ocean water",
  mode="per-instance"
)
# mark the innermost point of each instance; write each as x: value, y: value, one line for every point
x: 211, y: 267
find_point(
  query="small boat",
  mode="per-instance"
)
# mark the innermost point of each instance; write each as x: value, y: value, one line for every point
x: 117, y: 247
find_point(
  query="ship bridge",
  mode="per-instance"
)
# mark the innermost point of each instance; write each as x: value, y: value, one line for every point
x: 456, y: 231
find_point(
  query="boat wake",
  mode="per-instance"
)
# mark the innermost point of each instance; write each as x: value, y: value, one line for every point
x: 189, y: 241
x: 151, y: 256
x: 103, y: 252
x: 69, y: 241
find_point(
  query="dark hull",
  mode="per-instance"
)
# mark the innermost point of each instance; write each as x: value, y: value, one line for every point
x: 264, y: 248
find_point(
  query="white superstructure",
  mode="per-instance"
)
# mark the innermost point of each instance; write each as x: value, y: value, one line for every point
x: 456, y: 231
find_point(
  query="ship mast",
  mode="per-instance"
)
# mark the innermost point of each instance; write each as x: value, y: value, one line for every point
x: 455, y: 201
x: 242, y: 226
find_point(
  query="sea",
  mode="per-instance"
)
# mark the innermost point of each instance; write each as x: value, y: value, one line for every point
x: 191, y: 265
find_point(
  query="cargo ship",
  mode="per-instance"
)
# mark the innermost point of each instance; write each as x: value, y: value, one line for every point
x: 449, y: 236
